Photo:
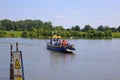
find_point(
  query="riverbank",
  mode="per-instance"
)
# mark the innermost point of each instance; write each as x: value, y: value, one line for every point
x: 22, y: 34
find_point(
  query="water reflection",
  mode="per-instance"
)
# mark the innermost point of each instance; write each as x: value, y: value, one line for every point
x: 60, y: 59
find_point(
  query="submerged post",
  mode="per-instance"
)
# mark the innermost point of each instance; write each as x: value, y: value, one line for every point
x: 16, y: 64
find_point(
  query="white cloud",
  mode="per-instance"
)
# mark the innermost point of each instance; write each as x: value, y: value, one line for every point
x: 59, y: 17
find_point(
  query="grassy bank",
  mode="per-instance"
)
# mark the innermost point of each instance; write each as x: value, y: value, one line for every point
x: 116, y: 34
x: 17, y: 34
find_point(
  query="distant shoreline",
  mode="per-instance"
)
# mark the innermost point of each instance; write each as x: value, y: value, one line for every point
x: 18, y: 34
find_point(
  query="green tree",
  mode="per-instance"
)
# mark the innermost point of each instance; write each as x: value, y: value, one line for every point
x: 100, y: 28
x: 48, y: 25
x: 87, y: 28
x: 38, y: 24
x: 46, y: 33
x: 103, y: 28
x: 68, y: 29
x: 107, y: 28
x: 21, y: 25
x: 118, y: 29
x: 7, y: 24
x: 77, y: 28
x: 15, y: 26
x: 39, y: 32
x: 113, y: 29
x: 66, y: 34
x: 29, y: 24
x: 25, y: 34
x: 73, y: 28
x: 1, y: 26
x: 32, y: 34
x: 101, y: 34
x: 90, y: 34
x: 108, y: 33
x: 59, y: 28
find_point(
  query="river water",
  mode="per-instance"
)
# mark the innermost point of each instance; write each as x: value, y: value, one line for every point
x: 92, y: 60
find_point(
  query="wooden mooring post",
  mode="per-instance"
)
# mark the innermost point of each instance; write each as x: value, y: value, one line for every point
x: 16, y: 64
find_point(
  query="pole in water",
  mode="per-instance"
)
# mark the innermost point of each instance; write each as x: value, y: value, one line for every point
x: 11, y: 48
x: 16, y: 46
x: 11, y: 64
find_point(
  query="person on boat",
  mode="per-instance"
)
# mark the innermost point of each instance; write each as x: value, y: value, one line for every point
x: 69, y: 42
x: 64, y: 43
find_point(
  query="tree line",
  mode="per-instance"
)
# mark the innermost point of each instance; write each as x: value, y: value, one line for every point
x: 40, y: 29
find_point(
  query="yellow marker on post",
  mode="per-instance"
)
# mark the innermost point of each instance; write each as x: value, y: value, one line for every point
x: 19, y: 78
x: 17, y: 64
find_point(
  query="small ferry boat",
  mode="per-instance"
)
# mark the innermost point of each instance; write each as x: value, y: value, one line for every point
x: 57, y: 44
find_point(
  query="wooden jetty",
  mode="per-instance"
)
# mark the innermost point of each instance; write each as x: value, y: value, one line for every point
x: 16, y: 64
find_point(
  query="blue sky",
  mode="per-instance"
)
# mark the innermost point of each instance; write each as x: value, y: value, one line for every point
x: 67, y: 13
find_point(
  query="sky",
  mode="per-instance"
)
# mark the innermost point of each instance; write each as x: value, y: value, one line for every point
x: 66, y: 13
